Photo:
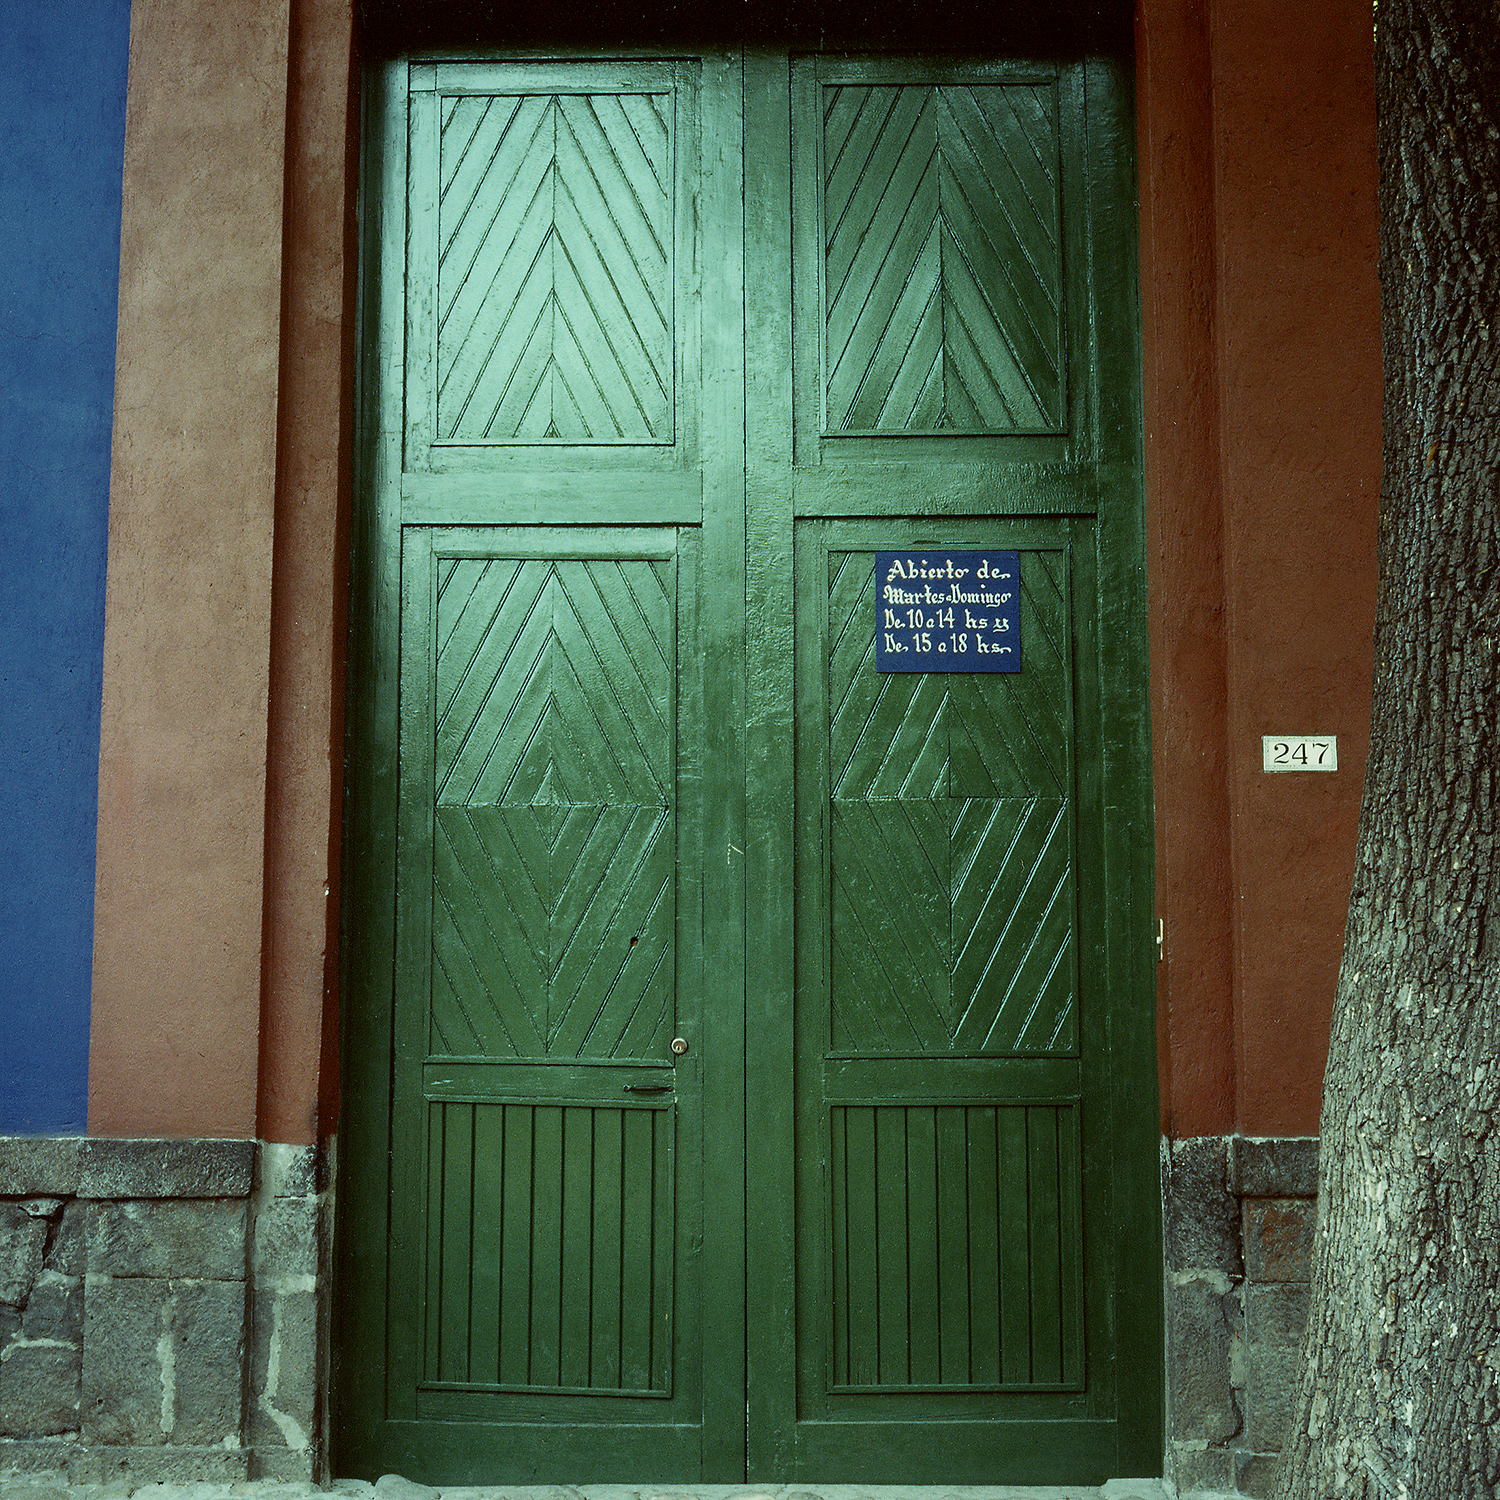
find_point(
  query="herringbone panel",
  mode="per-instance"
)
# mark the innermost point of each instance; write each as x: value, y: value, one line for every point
x: 555, y: 849
x: 952, y: 893
x: 554, y: 279
x: 942, y: 260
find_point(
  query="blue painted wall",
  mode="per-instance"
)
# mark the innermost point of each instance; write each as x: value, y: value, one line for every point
x: 62, y: 135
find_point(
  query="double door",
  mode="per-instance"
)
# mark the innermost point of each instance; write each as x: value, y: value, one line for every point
x: 748, y: 1047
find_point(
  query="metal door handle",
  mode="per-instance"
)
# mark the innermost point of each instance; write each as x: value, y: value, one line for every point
x: 648, y: 1088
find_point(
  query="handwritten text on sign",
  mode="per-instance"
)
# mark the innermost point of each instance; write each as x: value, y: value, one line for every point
x: 947, y: 612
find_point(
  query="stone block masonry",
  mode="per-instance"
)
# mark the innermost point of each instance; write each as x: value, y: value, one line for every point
x: 163, y: 1312
x: 1239, y: 1217
x: 160, y: 1318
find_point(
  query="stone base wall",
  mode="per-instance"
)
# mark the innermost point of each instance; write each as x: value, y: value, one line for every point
x: 160, y: 1313
x: 163, y: 1308
x: 1239, y: 1224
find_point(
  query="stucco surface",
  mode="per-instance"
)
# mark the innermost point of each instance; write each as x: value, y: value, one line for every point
x: 183, y: 733
x: 308, y: 604
x: 1298, y: 330
x: 1186, y: 570
x: 62, y: 119
x: 214, y: 991
x: 1262, y: 398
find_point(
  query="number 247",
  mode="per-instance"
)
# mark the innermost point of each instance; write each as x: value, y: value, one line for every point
x: 1283, y: 754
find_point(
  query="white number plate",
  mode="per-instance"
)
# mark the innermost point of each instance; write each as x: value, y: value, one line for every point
x: 1299, y: 752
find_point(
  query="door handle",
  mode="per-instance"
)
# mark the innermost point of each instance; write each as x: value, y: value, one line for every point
x: 648, y: 1088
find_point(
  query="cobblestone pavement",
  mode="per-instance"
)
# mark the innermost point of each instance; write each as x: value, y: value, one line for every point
x: 14, y: 1486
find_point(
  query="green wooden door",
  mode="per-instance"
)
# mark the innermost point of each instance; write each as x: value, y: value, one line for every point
x: 749, y: 1051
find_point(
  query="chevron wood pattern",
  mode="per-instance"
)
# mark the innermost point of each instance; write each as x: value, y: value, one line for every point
x: 554, y: 851
x: 952, y: 894
x: 942, y: 259
x: 554, y: 268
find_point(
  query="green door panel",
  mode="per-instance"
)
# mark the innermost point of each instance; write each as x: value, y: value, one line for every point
x: 552, y: 898
x: 942, y: 285
x: 971, y: 1213
x: 952, y: 901
x: 548, y: 1264
x: 748, y: 1054
x: 939, y: 1024
x: 554, y: 285
x: 553, y: 875
x: 548, y: 941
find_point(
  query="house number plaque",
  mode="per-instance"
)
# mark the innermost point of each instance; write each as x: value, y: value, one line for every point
x: 948, y: 612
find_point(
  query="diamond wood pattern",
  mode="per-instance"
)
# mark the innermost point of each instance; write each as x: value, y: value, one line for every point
x: 952, y: 896
x: 554, y: 281
x: 942, y: 260
x: 554, y: 850
x: 955, y: 1247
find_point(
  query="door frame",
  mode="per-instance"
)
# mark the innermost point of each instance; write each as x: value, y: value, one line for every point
x: 756, y: 828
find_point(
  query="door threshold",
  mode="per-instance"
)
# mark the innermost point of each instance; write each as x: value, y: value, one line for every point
x: 392, y: 1488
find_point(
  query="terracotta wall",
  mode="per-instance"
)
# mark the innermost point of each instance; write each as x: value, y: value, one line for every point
x: 1262, y: 391
x: 222, y: 731
x: 221, y: 745
x: 182, y: 757
x: 299, y: 1015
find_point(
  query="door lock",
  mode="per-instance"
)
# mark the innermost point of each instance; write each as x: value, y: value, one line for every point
x: 679, y: 1046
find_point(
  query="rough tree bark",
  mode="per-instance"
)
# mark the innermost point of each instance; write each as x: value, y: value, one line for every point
x: 1401, y: 1395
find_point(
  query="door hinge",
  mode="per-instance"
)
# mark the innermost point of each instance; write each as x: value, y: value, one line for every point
x: 1161, y: 933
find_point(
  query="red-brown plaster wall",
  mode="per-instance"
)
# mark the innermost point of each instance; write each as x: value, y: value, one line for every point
x: 181, y: 842
x: 1262, y: 400
x: 1299, y: 361
x: 298, y: 1036
x: 221, y: 750
x: 1184, y: 538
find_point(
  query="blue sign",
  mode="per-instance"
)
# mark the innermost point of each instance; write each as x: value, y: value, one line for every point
x: 947, y: 612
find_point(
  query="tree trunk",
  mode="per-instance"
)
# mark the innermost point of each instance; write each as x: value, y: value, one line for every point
x: 1401, y: 1394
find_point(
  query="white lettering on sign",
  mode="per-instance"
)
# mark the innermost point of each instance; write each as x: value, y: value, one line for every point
x: 948, y: 611
x: 1299, y: 752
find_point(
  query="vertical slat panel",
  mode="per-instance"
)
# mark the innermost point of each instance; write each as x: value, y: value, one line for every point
x: 838, y: 1281
x: 546, y: 1248
x: 891, y: 1246
x: 864, y: 1340
x: 1044, y: 1218
x: 458, y: 1180
x: 953, y: 1230
x: 1015, y: 1250
x: 661, y: 1250
x: 1070, y: 1180
x: 924, y: 1271
x: 516, y: 1245
x: 550, y: 1262
x: 604, y: 1345
x: 638, y: 1209
x: 575, y: 1333
x: 433, y: 1310
x: 489, y: 1221
x: 954, y: 1236
x: 985, y: 1228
